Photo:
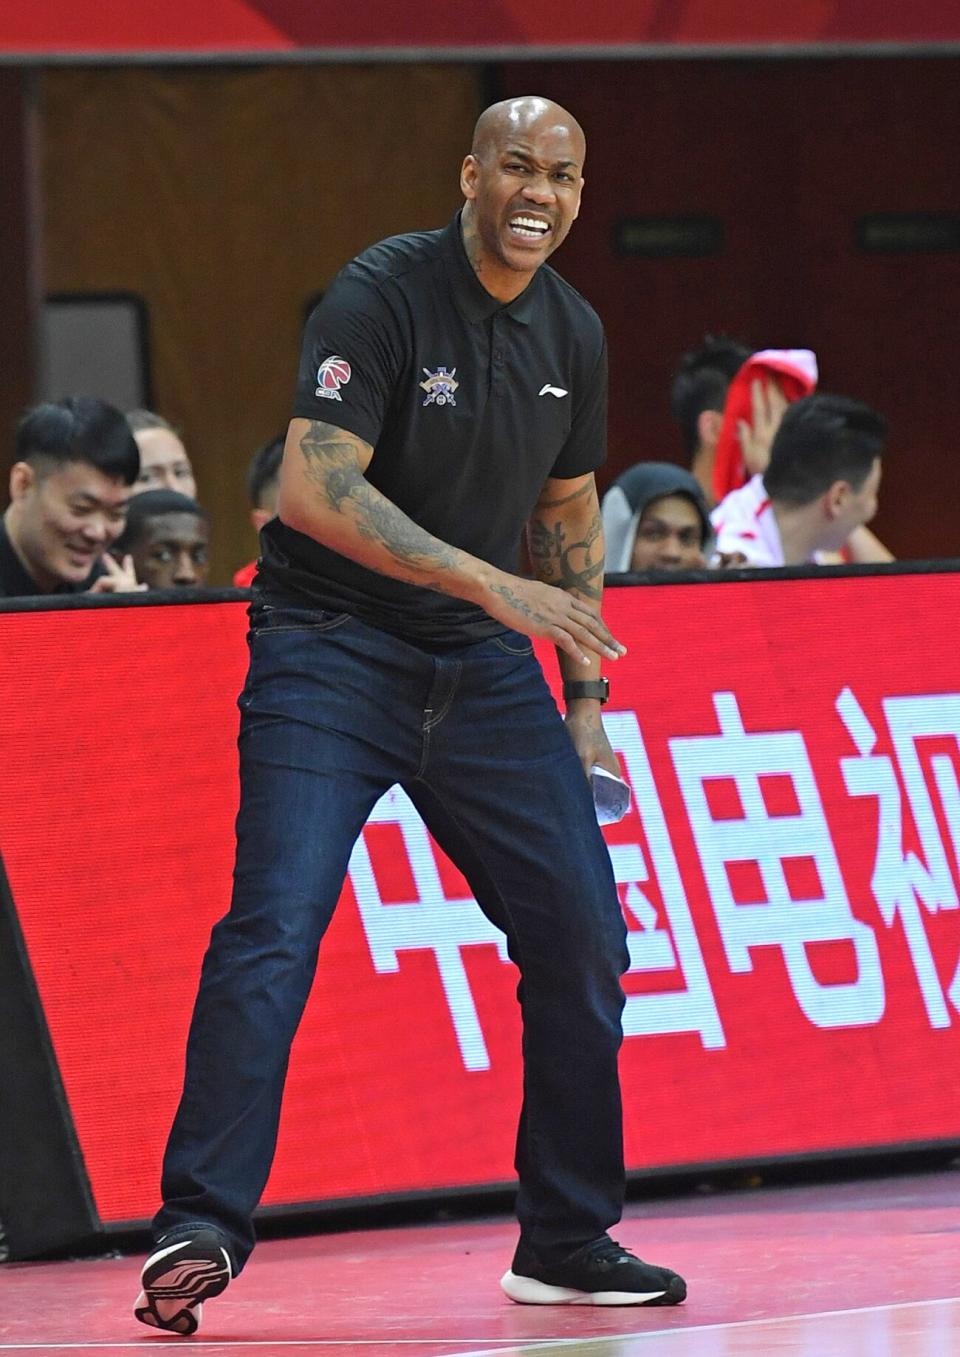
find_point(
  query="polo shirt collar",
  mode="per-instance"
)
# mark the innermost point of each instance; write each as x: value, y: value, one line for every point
x: 14, y: 580
x: 473, y: 300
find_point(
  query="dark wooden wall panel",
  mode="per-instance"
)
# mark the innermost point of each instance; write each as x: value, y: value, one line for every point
x: 18, y: 276
x: 788, y: 154
x: 227, y: 198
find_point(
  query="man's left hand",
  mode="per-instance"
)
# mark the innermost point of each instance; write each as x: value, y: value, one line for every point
x: 589, y: 737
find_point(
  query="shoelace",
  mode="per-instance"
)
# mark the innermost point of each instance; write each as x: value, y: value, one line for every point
x: 609, y: 1251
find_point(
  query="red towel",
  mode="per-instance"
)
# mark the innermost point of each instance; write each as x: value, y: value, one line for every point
x: 796, y: 373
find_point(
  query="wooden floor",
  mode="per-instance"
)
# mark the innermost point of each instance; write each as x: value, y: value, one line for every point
x: 866, y: 1269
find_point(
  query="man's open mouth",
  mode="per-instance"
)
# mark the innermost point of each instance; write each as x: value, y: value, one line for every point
x: 529, y: 228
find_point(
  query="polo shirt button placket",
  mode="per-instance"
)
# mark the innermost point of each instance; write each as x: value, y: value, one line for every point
x: 496, y: 364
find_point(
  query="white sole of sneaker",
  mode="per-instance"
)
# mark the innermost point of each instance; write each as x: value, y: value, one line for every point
x: 528, y: 1291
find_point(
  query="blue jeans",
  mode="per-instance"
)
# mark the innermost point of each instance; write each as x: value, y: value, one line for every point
x: 333, y: 713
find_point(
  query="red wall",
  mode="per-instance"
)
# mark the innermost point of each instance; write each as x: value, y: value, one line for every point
x: 224, y: 26
x: 788, y: 154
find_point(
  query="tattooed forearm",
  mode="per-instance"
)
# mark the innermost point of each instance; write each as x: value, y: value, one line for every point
x: 378, y: 520
x: 574, y: 566
x: 546, y: 549
x: 331, y: 464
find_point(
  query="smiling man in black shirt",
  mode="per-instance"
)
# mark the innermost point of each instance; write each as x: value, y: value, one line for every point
x: 75, y: 462
x: 452, y: 390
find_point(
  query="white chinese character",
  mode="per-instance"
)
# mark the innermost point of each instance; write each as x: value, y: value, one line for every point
x: 900, y: 881
x: 430, y: 922
x: 768, y: 841
x: 691, y: 1008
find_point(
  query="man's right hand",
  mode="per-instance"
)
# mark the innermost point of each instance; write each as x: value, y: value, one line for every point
x: 536, y: 609
x: 757, y: 434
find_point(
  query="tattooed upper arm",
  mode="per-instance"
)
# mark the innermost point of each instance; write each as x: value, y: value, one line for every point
x: 318, y: 441
x: 560, y: 494
x: 322, y: 461
x: 565, y: 536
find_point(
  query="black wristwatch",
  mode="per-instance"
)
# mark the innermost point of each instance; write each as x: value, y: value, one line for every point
x: 598, y: 688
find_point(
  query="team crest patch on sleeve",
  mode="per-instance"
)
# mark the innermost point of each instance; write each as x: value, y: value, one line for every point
x: 331, y: 375
x: 440, y: 386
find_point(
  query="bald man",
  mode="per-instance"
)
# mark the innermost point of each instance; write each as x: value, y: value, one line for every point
x: 452, y: 396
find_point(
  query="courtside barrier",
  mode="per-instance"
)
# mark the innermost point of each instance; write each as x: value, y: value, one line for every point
x: 788, y: 872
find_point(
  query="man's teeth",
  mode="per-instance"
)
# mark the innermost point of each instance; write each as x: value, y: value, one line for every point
x: 529, y: 226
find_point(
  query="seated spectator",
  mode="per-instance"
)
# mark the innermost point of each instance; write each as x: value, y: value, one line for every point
x: 820, y: 486
x: 656, y: 518
x: 697, y: 400
x: 768, y: 382
x: 164, y: 464
x: 263, y: 484
x: 69, y: 491
x: 168, y: 537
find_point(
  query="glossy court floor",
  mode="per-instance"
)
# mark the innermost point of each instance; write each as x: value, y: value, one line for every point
x: 863, y: 1269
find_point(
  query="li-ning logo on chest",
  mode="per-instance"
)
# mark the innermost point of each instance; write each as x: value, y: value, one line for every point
x: 440, y: 386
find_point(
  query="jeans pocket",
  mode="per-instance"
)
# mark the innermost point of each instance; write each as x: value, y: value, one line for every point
x: 265, y: 617
x: 514, y: 643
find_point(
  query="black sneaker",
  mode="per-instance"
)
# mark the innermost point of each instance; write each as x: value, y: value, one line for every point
x: 178, y: 1276
x: 601, y: 1273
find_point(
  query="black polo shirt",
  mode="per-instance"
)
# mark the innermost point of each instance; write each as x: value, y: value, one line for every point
x: 469, y: 405
x: 15, y: 582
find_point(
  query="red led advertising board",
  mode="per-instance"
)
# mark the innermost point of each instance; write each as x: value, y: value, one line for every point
x: 788, y: 872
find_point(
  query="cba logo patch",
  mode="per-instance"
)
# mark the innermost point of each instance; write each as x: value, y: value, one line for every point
x: 440, y: 386
x: 331, y: 375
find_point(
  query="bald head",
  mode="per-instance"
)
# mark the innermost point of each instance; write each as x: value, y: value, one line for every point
x: 521, y: 183
x: 524, y: 117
